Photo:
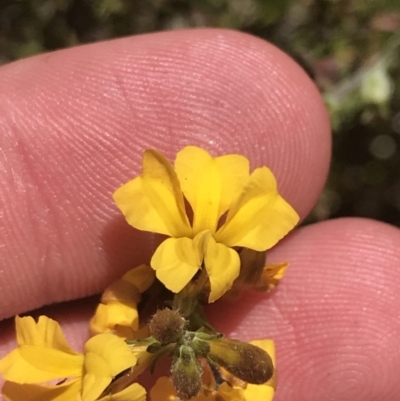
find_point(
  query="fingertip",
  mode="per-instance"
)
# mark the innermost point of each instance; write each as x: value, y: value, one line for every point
x: 220, y: 89
x: 334, y: 317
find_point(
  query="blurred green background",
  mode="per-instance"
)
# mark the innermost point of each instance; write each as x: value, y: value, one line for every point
x: 350, y: 48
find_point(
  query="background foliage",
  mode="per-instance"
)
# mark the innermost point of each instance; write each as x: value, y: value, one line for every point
x: 349, y: 47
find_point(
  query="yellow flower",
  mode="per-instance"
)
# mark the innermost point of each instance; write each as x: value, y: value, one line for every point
x: 164, y: 391
x: 43, y: 355
x: 231, y: 208
x: 117, y: 313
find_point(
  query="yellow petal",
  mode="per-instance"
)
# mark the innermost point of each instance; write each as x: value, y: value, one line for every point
x: 26, y: 364
x: 114, y: 351
x: 16, y: 368
x: 154, y: 201
x: 45, y: 331
x: 259, y: 217
x: 163, y: 390
x: 142, y: 277
x: 106, y: 355
x: 177, y: 260
x: 121, y: 291
x: 258, y: 392
x: 30, y: 392
x: 134, y: 392
x: 271, y: 275
x: 144, y: 360
x: 108, y: 317
x: 228, y: 393
x: 210, y: 184
x: 53, y: 361
x: 223, y: 266
x: 94, y: 385
x: 13, y: 367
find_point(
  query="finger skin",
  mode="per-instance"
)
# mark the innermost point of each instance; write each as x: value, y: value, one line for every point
x: 74, y: 123
x: 335, y: 316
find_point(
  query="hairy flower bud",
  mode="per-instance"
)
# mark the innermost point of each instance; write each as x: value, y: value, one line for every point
x: 166, y: 326
x: 246, y: 361
x: 186, y: 373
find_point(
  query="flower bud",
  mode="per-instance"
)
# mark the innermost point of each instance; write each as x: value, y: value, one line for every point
x: 246, y: 361
x: 186, y: 374
x: 166, y: 326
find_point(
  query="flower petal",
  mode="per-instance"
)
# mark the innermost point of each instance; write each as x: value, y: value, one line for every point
x: 223, y: 267
x: 30, y: 392
x: 154, y: 201
x: 142, y: 277
x: 57, y: 363
x: 144, y: 360
x: 121, y: 291
x: 210, y: 184
x: 94, y: 385
x: 259, y: 217
x: 45, y: 331
x: 16, y: 368
x: 228, y: 393
x: 177, y: 260
x: 272, y: 275
x: 26, y: 364
x: 118, y: 311
x: 135, y: 392
x: 108, y: 317
x: 106, y: 355
x: 163, y: 390
x: 261, y: 392
x: 114, y: 351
